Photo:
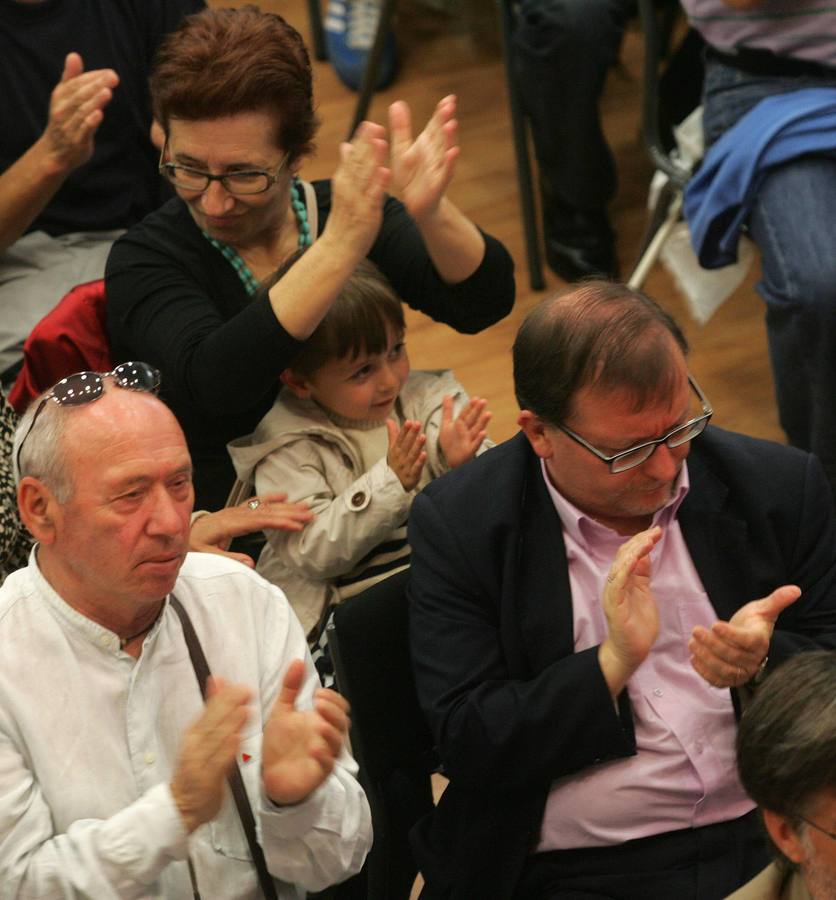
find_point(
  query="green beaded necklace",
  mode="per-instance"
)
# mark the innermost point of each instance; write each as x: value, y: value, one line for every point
x: 300, y: 211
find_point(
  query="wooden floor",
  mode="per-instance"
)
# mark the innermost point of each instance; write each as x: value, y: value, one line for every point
x: 441, y: 54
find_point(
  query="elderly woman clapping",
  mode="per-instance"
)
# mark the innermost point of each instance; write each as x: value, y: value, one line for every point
x: 232, y: 92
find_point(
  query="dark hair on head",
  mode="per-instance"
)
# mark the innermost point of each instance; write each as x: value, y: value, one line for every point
x: 356, y: 321
x: 596, y: 333
x: 220, y: 62
x: 786, y: 740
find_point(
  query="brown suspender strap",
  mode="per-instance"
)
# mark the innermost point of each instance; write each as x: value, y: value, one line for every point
x: 236, y: 782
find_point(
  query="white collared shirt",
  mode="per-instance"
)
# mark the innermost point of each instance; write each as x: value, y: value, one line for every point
x: 89, y: 739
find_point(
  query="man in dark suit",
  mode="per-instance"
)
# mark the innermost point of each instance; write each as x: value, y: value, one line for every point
x: 587, y: 610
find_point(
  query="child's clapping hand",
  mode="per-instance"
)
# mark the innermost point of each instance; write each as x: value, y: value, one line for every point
x: 461, y: 437
x: 406, y: 456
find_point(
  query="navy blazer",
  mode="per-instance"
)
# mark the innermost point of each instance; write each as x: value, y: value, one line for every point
x: 510, y: 703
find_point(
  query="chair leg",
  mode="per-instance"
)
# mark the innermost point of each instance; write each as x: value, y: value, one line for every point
x: 372, y: 66
x: 669, y: 203
x: 658, y: 214
x: 317, y: 34
x: 524, y: 180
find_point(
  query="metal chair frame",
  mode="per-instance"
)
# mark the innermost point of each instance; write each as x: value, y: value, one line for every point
x: 668, y: 206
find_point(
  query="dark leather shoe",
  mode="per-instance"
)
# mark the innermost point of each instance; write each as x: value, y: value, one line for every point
x: 576, y: 263
x: 582, y: 245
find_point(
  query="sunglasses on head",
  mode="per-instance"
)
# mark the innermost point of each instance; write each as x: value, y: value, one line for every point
x: 85, y: 387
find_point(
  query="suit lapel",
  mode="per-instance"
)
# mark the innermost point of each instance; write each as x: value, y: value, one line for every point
x: 716, y: 539
x: 543, y: 602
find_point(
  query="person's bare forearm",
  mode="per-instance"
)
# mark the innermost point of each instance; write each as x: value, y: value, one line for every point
x: 26, y: 187
x: 422, y: 169
x: 455, y: 244
x: 304, y: 294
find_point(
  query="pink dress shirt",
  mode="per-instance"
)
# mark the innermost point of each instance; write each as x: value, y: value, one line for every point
x: 683, y: 774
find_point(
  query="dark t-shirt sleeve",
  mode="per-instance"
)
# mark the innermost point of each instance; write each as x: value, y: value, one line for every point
x: 161, y: 17
x: 119, y: 184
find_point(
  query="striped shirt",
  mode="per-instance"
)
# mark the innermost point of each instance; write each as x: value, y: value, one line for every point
x: 802, y: 29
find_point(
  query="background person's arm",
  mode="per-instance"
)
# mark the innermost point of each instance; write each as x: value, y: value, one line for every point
x: 212, y: 532
x: 350, y: 520
x: 76, y: 110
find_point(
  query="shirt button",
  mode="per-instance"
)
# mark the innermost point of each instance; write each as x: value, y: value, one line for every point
x: 658, y: 692
x: 698, y: 746
x: 104, y: 639
x: 358, y: 499
x: 149, y: 758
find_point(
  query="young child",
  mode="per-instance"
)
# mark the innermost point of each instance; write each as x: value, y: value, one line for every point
x: 355, y: 435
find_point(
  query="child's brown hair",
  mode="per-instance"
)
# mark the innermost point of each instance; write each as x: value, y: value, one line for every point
x: 356, y: 321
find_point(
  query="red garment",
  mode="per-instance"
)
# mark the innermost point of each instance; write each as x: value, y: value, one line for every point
x: 71, y: 338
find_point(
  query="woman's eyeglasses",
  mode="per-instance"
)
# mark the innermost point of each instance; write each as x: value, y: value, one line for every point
x: 252, y: 181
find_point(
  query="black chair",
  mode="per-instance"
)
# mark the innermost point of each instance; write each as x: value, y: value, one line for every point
x: 390, y: 739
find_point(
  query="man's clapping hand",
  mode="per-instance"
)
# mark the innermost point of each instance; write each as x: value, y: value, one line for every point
x: 208, y: 752
x: 301, y: 746
x: 630, y: 609
x: 729, y: 654
x: 76, y: 110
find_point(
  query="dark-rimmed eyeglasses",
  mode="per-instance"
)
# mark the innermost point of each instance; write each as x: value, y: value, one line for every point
x: 85, y: 387
x: 635, y: 456
x: 824, y: 831
x: 250, y: 181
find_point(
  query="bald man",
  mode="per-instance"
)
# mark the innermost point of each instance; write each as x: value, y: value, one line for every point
x: 112, y: 769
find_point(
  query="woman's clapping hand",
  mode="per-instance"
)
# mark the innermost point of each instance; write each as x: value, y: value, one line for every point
x: 423, y: 168
x: 358, y: 188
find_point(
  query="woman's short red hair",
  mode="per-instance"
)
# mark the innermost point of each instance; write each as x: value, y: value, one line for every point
x: 221, y: 62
